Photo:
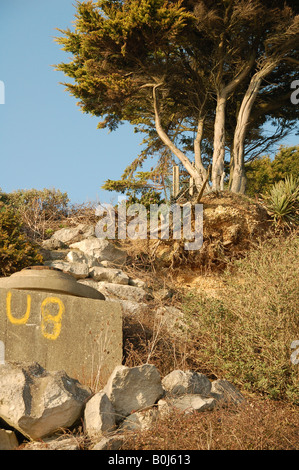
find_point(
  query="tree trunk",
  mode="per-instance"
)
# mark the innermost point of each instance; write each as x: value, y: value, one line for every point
x: 201, y: 171
x: 193, y: 171
x: 219, y: 144
x: 238, y: 181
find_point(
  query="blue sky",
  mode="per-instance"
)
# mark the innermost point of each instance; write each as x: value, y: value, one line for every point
x: 45, y: 140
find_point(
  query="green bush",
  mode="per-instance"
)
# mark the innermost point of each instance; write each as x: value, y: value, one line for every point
x: 245, y: 335
x: 282, y: 202
x: 16, y: 251
x: 37, y: 208
x: 263, y: 173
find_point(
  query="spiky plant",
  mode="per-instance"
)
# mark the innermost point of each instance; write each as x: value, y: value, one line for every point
x: 282, y: 202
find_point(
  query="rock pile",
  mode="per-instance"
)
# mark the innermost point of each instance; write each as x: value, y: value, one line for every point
x: 92, y: 261
x: 100, y: 264
x: 37, y: 403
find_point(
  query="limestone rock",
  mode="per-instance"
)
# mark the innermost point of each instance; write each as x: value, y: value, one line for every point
x: 73, y: 234
x: 8, y: 440
x: 77, y: 270
x: 226, y: 393
x: 76, y: 256
x: 101, y: 250
x: 118, y: 291
x: 130, y: 308
x: 179, y: 382
x: 188, y: 404
x: 89, y: 282
x: 37, y: 402
x: 61, y: 443
x: 137, y: 283
x: 132, y: 389
x: 50, y: 255
x: 172, y: 317
x: 114, y: 276
x: 110, y: 443
x: 99, y: 415
x: 53, y: 244
x: 140, y: 421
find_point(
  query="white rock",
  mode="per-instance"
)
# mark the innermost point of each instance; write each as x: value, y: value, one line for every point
x: 172, y: 316
x: 188, y: 404
x: 52, y: 244
x: 137, y: 283
x: 8, y: 440
x: 53, y: 443
x: 89, y: 282
x: 101, y: 250
x: 99, y: 415
x: 77, y: 270
x: 73, y: 234
x: 179, y: 382
x: 133, y: 388
x: 114, y: 276
x: 140, y: 421
x: 118, y: 291
x: 131, y: 308
x: 76, y: 257
x: 226, y: 393
x: 110, y: 443
x: 37, y: 402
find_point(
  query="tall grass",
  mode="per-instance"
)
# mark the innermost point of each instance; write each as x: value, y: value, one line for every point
x: 246, y: 335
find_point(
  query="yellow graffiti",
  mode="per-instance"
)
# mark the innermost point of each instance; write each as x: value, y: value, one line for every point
x: 50, y: 324
x: 17, y: 321
x: 49, y: 321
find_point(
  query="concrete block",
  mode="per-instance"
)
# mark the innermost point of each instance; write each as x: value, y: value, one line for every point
x: 82, y: 336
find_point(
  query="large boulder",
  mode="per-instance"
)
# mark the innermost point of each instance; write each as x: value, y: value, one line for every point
x: 101, y: 250
x: 132, y: 389
x: 37, y: 402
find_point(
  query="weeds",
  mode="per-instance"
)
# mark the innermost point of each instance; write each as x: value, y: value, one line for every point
x: 256, y: 425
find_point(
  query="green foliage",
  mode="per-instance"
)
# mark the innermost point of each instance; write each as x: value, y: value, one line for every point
x: 245, y: 335
x: 37, y: 208
x: 16, y: 251
x: 146, y: 198
x: 121, y: 50
x: 138, y: 189
x: 49, y: 201
x: 263, y: 173
x: 282, y: 202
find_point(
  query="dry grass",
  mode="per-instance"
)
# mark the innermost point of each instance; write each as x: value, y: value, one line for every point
x: 256, y: 425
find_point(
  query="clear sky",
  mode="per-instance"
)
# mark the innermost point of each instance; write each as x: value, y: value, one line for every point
x: 45, y: 139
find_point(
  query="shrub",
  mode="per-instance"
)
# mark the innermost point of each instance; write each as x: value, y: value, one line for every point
x: 263, y: 172
x: 282, y: 202
x: 37, y: 208
x: 245, y: 336
x: 16, y: 251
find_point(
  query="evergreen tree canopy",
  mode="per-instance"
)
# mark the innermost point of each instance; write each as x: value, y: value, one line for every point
x: 197, y: 77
